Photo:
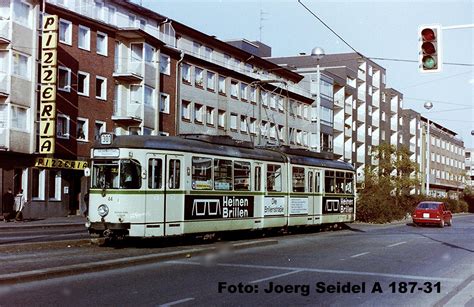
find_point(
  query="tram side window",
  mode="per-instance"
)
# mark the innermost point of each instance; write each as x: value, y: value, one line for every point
x: 155, y: 167
x: 258, y: 175
x: 130, y: 174
x: 329, y: 184
x: 298, y: 179
x: 317, y: 180
x: 241, y: 176
x: 174, y: 168
x: 349, y: 183
x: 273, y: 178
x: 339, y: 182
x: 310, y: 181
x: 222, y: 174
x: 202, y: 173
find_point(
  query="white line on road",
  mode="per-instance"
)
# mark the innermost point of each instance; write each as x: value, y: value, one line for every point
x: 395, y: 244
x: 177, y: 302
x: 275, y: 276
x: 251, y: 266
x: 361, y: 254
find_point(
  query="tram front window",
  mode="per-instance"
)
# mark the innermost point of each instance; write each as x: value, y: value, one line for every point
x: 105, y: 175
x: 115, y: 174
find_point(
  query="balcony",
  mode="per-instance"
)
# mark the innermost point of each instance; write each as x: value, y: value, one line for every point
x: 4, y: 31
x: 3, y: 138
x: 127, y: 113
x: 130, y: 72
x: 348, y: 108
x: 338, y: 125
x: 4, y: 85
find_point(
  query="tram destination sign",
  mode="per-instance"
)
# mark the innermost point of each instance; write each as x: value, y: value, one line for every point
x: 218, y: 207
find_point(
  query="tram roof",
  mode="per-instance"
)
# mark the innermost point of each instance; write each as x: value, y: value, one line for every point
x: 225, y: 146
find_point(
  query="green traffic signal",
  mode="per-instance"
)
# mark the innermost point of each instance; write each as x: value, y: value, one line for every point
x: 429, y: 62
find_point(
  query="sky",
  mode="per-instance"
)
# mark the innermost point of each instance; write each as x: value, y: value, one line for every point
x: 382, y: 29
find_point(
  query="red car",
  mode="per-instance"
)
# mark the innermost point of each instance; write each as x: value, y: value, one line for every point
x: 432, y: 212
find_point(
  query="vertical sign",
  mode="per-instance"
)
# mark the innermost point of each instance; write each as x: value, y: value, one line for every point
x: 48, y: 85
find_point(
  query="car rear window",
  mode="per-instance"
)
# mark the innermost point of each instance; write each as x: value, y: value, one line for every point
x: 428, y: 206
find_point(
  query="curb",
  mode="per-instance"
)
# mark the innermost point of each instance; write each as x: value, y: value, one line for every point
x: 41, y: 274
x: 26, y: 226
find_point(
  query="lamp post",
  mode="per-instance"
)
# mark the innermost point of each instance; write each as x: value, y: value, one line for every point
x: 428, y: 105
x: 318, y: 53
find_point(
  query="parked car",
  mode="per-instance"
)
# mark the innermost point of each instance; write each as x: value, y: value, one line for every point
x: 432, y: 212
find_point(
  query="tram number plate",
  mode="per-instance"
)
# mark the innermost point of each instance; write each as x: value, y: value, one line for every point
x: 106, y: 139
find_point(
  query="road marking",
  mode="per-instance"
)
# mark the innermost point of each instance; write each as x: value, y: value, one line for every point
x: 177, y: 302
x: 361, y: 254
x: 251, y: 266
x: 275, y: 276
x: 396, y: 244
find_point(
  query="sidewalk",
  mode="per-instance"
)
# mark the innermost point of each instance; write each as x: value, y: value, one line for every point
x: 67, y: 221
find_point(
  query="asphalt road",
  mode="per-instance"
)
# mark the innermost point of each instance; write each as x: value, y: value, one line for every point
x: 397, y: 265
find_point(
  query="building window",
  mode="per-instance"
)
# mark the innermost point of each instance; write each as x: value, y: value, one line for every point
x: 149, y: 54
x: 101, y: 43
x: 264, y: 98
x: 221, y: 119
x: 136, y: 94
x: 233, y: 121
x: 243, y: 91
x: 19, y: 118
x: 186, y: 110
x: 99, y: 128
x: 137, y: 53
x: 253, y: 94
x: 82, y: 130
x: 165, y: 64
x: 64, y: 79
x: 134, y: 131
x: 54, y: 185
x: 273, y: 101
x: 186, y: 73
x: 3, y: 115
x: 111, y: 16
x: 210, y: 116
x: 326, y: 116
x: 21, y: 12
x: 62, y: 126
x: 198, y: 77
x: 20, y: 65
x: 164, y: 103
x: 221, y: 85
x: 84, y: 39
x: 99, y: 10
x: 208, y: 53
x: 253, y: 126
x: 198, y: 113
x: 197, y: 49
x: 234, y: 88
x: 38, y: 183
x: 100, y: 88
x: 65, y: 31
x: 149, y: 95
x: 243, y: 124
x: 83, y: 83
x: 211, y: 81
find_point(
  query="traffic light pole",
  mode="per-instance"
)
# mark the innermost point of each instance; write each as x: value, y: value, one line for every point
x: 458, y: 27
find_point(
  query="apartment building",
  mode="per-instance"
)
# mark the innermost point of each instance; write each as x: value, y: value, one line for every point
x: 469, y: 167
x: 365, y: 111
x: 129, y: 70
x: 446, y: 160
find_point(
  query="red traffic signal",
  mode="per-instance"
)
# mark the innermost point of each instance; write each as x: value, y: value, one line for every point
x: 430, y: 49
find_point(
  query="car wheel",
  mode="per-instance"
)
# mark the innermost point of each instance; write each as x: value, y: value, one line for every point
x: 441, y: 224
x: 450, y: 222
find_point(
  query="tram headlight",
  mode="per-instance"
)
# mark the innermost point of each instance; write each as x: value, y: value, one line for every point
x: 103, y: 210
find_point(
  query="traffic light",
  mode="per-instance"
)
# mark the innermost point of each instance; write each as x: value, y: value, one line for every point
x: 430, y: 59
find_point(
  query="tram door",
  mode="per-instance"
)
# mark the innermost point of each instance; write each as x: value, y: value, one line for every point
x: 155, y: 195
x: 315, y: 199
x: 174, y: 195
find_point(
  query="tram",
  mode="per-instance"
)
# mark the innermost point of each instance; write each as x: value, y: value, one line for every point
x: 157, y: 186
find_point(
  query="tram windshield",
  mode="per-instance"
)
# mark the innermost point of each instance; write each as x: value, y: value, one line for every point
x: 116, y: 174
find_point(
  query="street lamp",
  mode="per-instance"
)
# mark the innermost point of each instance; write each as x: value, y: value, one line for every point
x: 318, y: 53
x: 428, y: 105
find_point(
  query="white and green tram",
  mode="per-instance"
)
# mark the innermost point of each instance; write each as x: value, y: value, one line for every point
x: 156, y: 186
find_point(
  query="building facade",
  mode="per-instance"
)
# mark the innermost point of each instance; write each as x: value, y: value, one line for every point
x: 469, y: 167
x: 125, y: 69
